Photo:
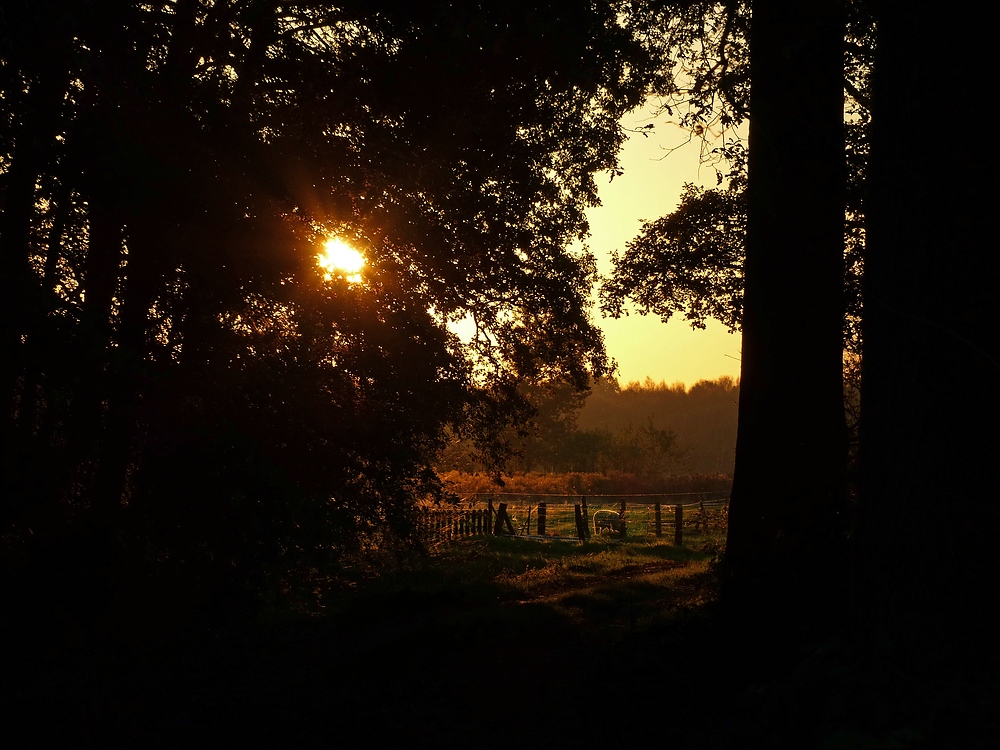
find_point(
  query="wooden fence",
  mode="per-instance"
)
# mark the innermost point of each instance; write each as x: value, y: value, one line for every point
x: 578, y: 516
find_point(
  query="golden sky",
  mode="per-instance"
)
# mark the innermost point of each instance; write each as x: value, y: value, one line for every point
x: 651, y: 187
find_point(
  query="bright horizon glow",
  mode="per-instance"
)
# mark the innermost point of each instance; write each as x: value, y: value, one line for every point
x: 340, y: 258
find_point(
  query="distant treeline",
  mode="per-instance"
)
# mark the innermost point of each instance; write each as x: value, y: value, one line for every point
x: 644, y: 429
x: 702, y: 417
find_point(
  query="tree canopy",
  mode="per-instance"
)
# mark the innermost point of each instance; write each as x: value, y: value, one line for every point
x: 177, y: 365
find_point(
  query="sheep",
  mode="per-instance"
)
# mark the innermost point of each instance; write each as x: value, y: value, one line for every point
x: 607, y: 520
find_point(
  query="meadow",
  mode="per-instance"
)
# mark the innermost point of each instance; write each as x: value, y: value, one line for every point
x: 622, y: 583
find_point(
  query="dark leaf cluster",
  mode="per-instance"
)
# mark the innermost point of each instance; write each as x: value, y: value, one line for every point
x: 177, y: 368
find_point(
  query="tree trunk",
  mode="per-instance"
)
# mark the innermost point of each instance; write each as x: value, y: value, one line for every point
x: 127, y: 376
x: 930, y: 402
x: 32, y: 153
x: 786, y: 518
x: 101, y: 278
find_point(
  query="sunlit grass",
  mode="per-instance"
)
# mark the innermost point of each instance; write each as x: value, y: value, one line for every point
x: 609, y: 583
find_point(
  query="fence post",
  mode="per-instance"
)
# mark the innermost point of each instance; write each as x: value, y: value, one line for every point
x: 541, y: 518
x: 678, y: 525
x: 586, y: 516
x: 621, y: 514
x: 581, y: 530
x: 489, y: 515
x: 659, y: 520
x: 501, y: 513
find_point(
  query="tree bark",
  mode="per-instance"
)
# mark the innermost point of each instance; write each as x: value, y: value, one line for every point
x: 785, y: 546
x: 930, y: 402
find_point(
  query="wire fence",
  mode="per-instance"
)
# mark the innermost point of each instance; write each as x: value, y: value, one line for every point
x: 682, y: 515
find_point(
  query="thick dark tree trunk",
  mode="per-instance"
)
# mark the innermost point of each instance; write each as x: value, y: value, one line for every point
x: 929, y: 522
x: 784, y: 554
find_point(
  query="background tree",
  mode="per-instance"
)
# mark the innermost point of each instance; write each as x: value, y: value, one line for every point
x: 647, y: 428
x: 702, y: 418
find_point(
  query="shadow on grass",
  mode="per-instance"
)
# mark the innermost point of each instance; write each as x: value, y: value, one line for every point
x: 494, y: 643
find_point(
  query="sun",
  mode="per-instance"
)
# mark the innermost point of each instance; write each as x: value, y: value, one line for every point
x: 340, y: 258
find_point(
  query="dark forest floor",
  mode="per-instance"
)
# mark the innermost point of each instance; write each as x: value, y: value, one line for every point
x: 522, y: 647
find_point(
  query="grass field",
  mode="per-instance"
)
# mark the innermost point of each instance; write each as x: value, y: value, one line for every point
x: 605, y: 583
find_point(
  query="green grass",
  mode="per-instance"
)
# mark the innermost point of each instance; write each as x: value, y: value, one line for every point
x: 603, y: 583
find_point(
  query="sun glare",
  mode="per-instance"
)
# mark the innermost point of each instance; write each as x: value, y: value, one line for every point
x: 340, y: 258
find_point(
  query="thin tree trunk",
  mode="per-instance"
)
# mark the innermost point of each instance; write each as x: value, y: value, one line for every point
x: 128, y: 365
x: 101, y: 276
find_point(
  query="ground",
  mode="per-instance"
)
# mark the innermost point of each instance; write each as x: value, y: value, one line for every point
x: 488, y: 644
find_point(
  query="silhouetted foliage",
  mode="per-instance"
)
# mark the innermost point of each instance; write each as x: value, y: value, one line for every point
x: 690, y: 261
x: 177, y: 369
